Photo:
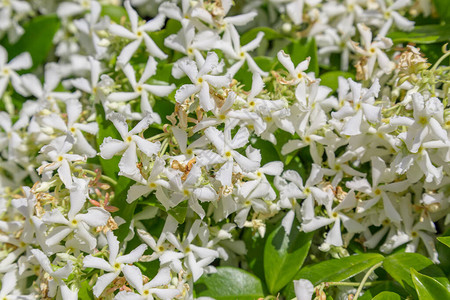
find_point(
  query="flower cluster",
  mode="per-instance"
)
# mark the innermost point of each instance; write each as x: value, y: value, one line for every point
x: 134, y: 161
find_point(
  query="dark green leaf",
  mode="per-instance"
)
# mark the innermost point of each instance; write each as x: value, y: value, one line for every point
x: 428, y: 288
x: 399, y: 264
x: 269, y: 34
x: 126, y: 210
x: 335, y: 270
x: 444, y: 240
x: 390, y: 286
x: 37, y: 39
x: 387, y: 296
x: 284, y: 254
x: 426, y: 34
x: 443, y: 10
x: 229, y: 284
x: 330, y: 79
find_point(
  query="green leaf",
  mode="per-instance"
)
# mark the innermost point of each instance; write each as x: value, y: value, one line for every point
x: 387, y: 296
x: 330, y: 79
x: 398, y: 266
x: 85, y: 291
x: 426, y: 34
x: 126, y: 210
x: 386, y: 286
x: 443, y: 10
x: 269, y: 34
x: 179, y: 212
x: 444, y: 240
x: 299, y: 50
x: 37, y: 39
x: 284, y: 254
x: 335, y: 270
x: 428, y: 288
x: 229, y: 283
x: 244, y: 76
x: 115, y: 12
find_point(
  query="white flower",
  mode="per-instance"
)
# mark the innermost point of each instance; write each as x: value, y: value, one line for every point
x: 57, y: 151
x: 8, y: 70
x: 378, y: 190
x: 75, y: 222
x: 297, y: 73
x: 138, y: 34
x: 131, y: 142
x: 115, y: 263
x: 74, y: 110
x: 200, y: 79
x: 57, y: 276
x: 230, y: 45
x: 227, y: 154
x: 392, y: 16
x: 147, y: 291
x: 140, y: 88
x: 373, y: 51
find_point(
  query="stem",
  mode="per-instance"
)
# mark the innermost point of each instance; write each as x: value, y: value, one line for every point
x: 104, y: 177
x: 363, y: 282
x: 164, y: 146
x: 155, y: 137
x: 446, y: 54
x: 371, y: 283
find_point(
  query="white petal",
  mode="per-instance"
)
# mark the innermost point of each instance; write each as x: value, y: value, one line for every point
x: 97, y: 263
x: 133, y: 256
x: 110, y: 147
x: 102, y: 282
x: 304, y: 289
x: 134, y: 277
x: 147, y: 147
x: 96, y: 216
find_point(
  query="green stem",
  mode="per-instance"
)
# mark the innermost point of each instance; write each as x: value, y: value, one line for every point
x: 160, y: 135
x: 104, y: 177
x: 363, y: 282
x: 371, y: 283
x: 446, y: 54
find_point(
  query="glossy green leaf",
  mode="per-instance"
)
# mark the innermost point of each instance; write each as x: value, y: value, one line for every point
x: 126, y: 210
x: 335, y: 270
x: 37, y: 39
x: 426, y: 34
x: 229, y: 283
x: 428, y: 288
x: 269, y: 34
x: 385, y: 286
x: 398, y: 266
x: 444, y: 240
x: 330, y: 79
x: 284, y: 254
x: 387, y: 296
